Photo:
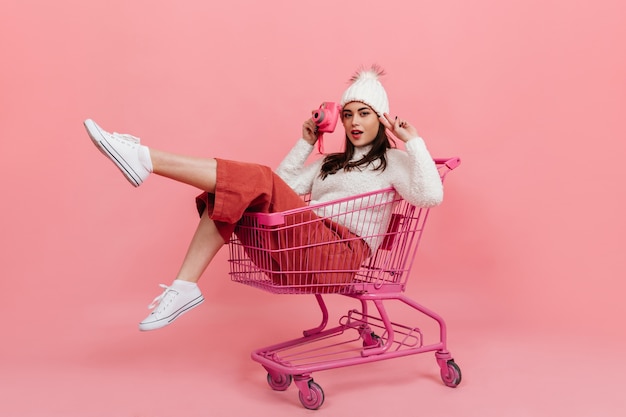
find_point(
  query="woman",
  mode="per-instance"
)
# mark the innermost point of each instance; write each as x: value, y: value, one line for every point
x: 368, y: 163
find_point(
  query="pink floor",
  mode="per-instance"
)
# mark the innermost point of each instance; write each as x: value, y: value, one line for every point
x: 103, y: 366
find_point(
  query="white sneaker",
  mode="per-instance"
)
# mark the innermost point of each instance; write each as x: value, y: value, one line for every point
x: 122, y: 149
x: 175, y: 300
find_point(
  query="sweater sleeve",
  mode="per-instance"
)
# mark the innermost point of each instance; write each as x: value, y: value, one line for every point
x: 293, y: 170
x: 418, y: 180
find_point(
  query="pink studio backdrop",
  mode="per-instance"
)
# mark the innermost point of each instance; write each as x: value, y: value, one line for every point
x: 524, y: 258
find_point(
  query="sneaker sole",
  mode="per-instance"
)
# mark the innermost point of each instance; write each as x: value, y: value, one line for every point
x: 102, y: 143
x: 165, y: 321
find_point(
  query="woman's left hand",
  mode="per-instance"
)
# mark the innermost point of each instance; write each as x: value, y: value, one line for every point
x: 400, y: 128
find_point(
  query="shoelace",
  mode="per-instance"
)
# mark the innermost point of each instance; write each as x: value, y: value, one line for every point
x: 158, y: 298
x: 127, y: 137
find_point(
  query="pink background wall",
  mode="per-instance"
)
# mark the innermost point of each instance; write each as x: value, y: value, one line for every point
x: 524, y: 258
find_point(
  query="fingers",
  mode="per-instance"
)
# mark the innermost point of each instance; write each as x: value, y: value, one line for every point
x: 393, y: 124
x: 309, y: 125
x: 399, y: 127
x: 309, y: 131
x: 387, y: 121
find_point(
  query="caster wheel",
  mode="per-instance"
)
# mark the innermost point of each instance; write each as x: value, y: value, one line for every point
x: 315, y: 399
x: 281, y: 383
x: 451, y: 374
x: 372, y: 340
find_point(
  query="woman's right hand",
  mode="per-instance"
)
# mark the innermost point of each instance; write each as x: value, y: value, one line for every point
x: 309, y: 131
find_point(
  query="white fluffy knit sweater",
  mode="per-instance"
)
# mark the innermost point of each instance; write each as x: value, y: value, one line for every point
x: 412, y: 173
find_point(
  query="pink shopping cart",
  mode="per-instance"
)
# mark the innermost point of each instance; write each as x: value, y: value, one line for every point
x: 275, y: 252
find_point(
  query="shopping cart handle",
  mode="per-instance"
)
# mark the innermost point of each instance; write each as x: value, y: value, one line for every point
x: 450, y: 163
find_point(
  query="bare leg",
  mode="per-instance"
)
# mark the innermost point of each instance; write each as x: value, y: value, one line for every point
x: 136, y: 162
x: 204, y: 245
x: 200, y: 173
x: 183, y: 294
x: 197, y: 172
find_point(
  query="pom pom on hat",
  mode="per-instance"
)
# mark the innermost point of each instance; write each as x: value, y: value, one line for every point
x: 366, y: 88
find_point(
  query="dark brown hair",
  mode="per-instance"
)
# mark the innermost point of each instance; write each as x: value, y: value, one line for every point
x: 341, y: 160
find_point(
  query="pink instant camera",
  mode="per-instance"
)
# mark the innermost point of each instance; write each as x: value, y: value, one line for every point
x: 325, y: 119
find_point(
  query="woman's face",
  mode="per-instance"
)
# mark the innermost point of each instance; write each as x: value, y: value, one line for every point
x: 361, y: 123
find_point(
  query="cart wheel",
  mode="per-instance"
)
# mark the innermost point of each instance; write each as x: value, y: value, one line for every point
x: 281, y: 383
x: 451, y: 374
x: 372, y: 340
x: 315, y: 398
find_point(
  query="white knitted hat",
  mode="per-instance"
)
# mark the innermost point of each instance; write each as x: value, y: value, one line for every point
x: 366, y: 88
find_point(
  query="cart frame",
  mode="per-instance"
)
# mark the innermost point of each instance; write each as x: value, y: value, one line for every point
x: 361, y: 336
